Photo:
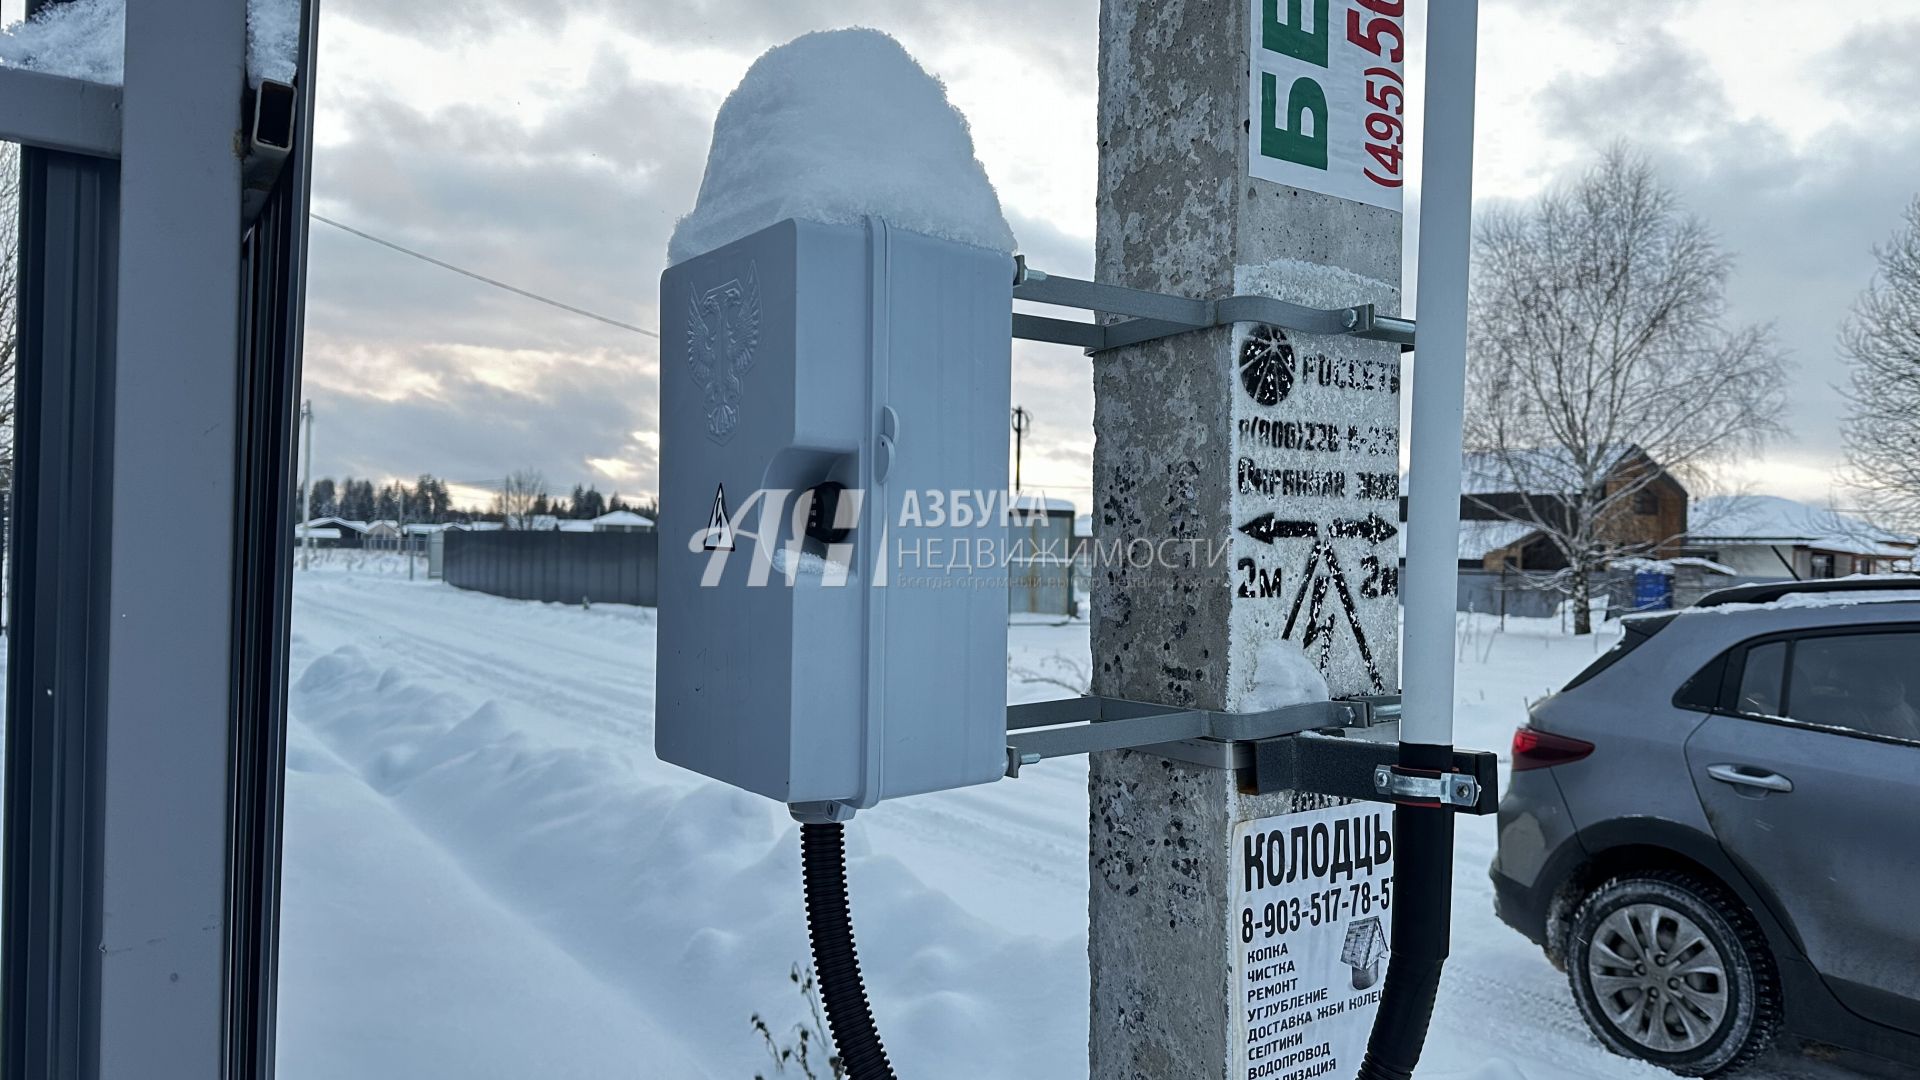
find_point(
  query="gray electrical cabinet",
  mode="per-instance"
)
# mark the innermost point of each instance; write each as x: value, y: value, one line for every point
x: 833, y: 469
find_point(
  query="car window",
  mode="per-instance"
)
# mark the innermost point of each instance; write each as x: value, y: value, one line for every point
x: 1703, y: 691
x: 1762, y: 679
x: 1864, y: 682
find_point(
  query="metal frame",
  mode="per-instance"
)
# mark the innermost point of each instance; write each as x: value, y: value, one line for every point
x: 273, y: 267
x: 160, y: 338
x: 1343, y: 747
x: 1221, y: 740
x: 1153, y: 315
x: 53, y: 112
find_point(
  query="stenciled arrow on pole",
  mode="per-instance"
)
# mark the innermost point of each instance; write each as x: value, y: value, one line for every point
x: 1374, y: 529
x: 1266, y: 530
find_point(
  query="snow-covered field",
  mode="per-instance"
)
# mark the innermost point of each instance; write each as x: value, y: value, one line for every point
x: 489, y: 875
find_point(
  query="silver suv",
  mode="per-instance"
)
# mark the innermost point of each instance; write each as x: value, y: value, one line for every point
x: 1715, y: 828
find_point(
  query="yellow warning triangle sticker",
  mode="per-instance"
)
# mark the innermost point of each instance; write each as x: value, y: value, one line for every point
x: 719, y: 529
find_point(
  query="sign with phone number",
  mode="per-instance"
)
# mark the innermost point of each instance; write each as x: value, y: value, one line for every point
x: 1309, y: 932
x: 1327, y: 97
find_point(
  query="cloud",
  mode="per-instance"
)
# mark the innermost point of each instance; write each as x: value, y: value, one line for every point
x: 1885, y: 90
x: 553, y: 146
x: 1799, y: 210
x: 415, y: 369
x: 1051, y: 29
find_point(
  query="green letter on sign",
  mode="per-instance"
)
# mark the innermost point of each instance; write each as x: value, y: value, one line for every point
x: 1287, y: 37
x: 1306, y: 99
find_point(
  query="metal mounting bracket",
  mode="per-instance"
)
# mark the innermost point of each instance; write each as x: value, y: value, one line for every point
x: 1351, y: 767
x: 1221, y: 740
x: 1330, y: 747
x: 1152, y: 315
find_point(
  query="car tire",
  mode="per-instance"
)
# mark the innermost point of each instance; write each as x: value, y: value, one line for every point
x: 1669, y: 968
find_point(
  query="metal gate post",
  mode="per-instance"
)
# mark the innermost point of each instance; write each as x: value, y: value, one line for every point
x: 164, y: 833
x: 151, y: 577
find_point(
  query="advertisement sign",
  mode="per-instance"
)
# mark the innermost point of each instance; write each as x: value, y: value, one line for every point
x: 1309, y: 931
x: 1327, y: 97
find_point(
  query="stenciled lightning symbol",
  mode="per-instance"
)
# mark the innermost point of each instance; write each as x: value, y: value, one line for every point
x: 1312, y: 593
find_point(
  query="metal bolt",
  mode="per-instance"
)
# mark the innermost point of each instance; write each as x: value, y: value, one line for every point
x: 1673, y: 984
x: 1029, y: 759
x: 1351, y: 318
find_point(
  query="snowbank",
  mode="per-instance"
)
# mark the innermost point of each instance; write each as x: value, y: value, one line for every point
x: 87, y: 39
x: 512, y: 743
x: 490, y: 876
x: 833, y: 127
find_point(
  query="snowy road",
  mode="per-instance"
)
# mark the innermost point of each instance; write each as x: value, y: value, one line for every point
x: 489, y: 875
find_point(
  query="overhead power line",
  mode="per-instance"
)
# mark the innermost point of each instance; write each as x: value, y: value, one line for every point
x: 444, y: 265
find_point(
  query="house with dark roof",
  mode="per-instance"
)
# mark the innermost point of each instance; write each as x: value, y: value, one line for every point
x: 1509, y: 499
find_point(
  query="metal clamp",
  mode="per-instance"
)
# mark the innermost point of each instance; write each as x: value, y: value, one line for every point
x: 1152, y: 315
x: 1447, y: 789
x: 1350, y: 764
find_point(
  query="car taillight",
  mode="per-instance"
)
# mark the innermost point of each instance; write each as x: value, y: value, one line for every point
x: 1536, y: 749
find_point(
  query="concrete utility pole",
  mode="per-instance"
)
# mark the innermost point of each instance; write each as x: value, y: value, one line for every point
x: 1022, y: 423
x: 1247, y: 146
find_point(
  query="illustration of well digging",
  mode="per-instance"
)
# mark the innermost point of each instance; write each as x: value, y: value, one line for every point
x: 1364, y: 951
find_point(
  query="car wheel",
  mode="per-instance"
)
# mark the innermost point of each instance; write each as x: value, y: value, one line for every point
x: 1669, y: 968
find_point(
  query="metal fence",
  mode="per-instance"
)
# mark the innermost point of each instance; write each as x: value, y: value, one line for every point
x: 1525, y: 596
x: 1538, y: 595
x: 1041, y: 577
x: 562, y: 567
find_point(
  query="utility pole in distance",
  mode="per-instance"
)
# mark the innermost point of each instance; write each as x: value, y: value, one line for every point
x: 1246, y: 147
x: 306, y: 486
x: 1022, y: 423
x: 406, y: 542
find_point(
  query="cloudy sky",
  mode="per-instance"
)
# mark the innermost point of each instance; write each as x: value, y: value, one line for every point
x: 552, y: 144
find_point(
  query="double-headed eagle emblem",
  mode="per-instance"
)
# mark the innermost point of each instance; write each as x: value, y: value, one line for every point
x: 723, y: 330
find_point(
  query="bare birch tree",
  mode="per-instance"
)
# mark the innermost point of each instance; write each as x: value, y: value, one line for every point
x: 520, y: 493
x: 1881, y: 340
x: 1597, y: 329
x: 9, y: 298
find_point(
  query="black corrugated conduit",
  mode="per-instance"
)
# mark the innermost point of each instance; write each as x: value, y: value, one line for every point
x: 1421, y: 936
x: 1420, y: 939
x: 823, y: 864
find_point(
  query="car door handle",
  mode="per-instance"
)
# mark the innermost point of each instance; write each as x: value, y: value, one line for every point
x: 1744, y: 776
